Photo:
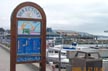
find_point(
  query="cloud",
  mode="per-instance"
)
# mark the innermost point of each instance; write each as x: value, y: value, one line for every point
x: 80, y: 15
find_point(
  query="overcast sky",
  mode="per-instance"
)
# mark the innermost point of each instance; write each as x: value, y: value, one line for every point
x: 77, y: 15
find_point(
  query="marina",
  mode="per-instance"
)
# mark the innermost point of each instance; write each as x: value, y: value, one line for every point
x: 60, y: 55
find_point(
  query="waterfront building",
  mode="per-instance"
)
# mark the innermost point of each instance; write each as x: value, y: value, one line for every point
x: 1, y: 34
x: 51, y: 34
x: 62, y: 36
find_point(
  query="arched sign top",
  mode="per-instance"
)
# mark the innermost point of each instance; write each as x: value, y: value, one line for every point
x: 29, y: 12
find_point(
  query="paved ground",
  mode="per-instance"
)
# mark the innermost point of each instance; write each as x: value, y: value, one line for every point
x: 4, y: 60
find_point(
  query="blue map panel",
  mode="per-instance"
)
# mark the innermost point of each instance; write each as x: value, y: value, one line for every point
x: 28, y: 46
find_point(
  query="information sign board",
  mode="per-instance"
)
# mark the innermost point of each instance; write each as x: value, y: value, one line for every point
x: 28, y: 35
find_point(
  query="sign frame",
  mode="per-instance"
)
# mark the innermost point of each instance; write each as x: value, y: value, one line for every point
x: 14, y: 35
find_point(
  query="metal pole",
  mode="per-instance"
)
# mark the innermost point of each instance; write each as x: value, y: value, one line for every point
x: 60, y: 60
x: 96, y: 41
x: 47, y: 55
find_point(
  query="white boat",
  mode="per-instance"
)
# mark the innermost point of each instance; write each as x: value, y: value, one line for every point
x: 53, y: 53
